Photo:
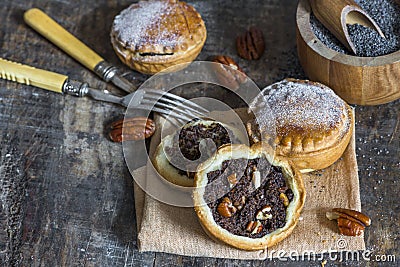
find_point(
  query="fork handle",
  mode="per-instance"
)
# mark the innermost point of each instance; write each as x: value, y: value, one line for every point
x: 28, y: 75
x: 59, y: 36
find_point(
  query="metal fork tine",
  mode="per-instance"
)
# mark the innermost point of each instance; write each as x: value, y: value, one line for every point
x: 174, y: 121
x: 164, y: 111
x: 182, y: 122
x: 160, y: 111
x: 177, y: 98
x: 178, y: 116
x: 182, y: 108
x: 190, y: 105
x: 185, y: 104
x: 175, y: 108
x: 163, y: 104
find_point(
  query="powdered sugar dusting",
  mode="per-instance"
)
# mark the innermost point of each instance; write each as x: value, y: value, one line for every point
x: 303, y: 107
x: 142, y: 23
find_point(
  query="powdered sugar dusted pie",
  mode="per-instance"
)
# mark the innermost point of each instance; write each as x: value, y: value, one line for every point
x: 259, y: 205
x: 150, y: 36
x: 313, y: 124
x: 186, y: 145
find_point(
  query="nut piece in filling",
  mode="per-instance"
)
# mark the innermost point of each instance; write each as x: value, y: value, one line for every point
x: 178, y: 155
x: 150, y: 36
x: 268, y: 213
x: 313, y: 124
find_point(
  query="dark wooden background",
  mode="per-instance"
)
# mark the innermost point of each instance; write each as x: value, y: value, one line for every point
x: 66, y: 195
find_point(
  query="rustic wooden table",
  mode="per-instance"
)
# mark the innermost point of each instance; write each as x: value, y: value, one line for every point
x: 66, y: 195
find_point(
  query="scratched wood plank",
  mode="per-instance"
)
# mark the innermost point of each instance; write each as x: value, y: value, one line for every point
x: 66, y: 195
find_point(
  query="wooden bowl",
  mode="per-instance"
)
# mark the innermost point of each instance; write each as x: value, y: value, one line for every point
x: 358, y: 80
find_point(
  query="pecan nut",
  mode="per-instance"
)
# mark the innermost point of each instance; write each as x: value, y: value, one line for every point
x: 225, y: 208
x: 228, y: 72
x: 264, y: 213
x: 254, y: 227
x: 239, y: 204
x: 132, y: 129
x: 350, y: 222
x: 364, y: 219
x: 349, y: 227
x: 232, y: 180
x: 251, y: 44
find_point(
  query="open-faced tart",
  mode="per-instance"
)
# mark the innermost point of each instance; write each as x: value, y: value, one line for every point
x: 178, y: 155
x: 150, y: 36
x: 313, y: 124
x: 258, y: 208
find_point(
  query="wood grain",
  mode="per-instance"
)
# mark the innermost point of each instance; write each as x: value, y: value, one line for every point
x: 358, y: 80
x: 66, y: 195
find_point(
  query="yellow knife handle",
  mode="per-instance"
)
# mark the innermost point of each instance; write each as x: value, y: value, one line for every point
x: 59, y: 36
x: 31, y: 76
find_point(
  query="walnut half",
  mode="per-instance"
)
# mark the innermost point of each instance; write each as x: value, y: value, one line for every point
x: 350, y: 222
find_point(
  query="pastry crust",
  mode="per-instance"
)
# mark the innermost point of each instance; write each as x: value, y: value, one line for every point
x: 150, y: 36
x: 169, y: 172
x: 313, y: 124
x: 204, y: 213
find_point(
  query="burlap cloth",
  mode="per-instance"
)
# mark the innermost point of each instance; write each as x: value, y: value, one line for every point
x: 176, y: 230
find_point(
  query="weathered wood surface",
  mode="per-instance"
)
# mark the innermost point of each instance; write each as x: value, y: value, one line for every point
x: 66, y: 195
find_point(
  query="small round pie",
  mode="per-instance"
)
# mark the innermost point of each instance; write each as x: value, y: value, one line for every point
x: 150, y: 36
x: 257, y: 209
x: 313, y: 124
x: 190, y: 144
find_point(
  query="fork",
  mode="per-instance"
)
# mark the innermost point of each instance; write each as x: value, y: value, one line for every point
x: 146, y: 99
x: 71, y: 45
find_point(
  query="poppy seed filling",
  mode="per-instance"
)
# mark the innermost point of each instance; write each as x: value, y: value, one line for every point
x: 188, y: 140
x: 249, y: 209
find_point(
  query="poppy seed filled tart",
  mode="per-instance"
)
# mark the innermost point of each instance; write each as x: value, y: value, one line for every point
x: 313, y: 124
x: 150, y: 36
x: 194, y: 142
x: 257, y: 205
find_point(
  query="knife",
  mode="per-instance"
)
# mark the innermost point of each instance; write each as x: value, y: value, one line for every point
x: 63, y: 39
x: 51, y: 81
